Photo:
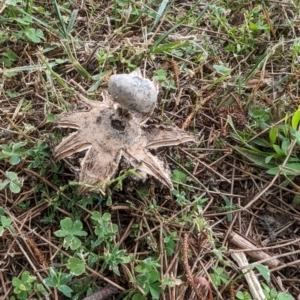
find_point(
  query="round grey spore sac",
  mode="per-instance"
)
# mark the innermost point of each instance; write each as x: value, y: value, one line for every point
x: 132, y: 91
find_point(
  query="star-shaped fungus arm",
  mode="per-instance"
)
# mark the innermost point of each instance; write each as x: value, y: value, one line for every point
x: 98, y: 167
x: 69, y: 145
x: 165, y: 136
x: 144, y: 161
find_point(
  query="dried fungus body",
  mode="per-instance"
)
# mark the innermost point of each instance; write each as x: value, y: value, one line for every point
x: 133, y: 92
x: 108, y: 134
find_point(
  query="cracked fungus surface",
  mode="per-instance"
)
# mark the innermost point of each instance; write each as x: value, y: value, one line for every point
x: 108, y: 133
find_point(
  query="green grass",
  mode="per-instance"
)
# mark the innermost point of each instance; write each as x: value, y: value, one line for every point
x: 228, y: 73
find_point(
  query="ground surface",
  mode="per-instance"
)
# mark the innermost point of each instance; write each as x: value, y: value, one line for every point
x: 228, y: 74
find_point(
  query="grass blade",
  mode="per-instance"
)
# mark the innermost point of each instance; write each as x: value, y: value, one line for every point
x: 72, y: 20
x: 159, y: 14
x: 60, y: 18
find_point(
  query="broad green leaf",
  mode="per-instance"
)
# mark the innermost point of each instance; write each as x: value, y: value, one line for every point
x: 255, y: 10
x: 179, y: 176
x: 35, y: 35
x: 12, y: 176
x: 278, y: 150
x: 49, y: 282
x: 264, y: 271
x: 273, y: 293
x: 288, y: 169
x: 76, y: 266
x: 25, y: 276
x: 296, y: 119
x: 222, y: 70
x: 284, y: 296
x: 285, y: 145
x: 4, y: 184
x: 25, y: 20
x: 14, y: 159
x: 77, y: 226
x: 65, y: 290
x: 16, y: 281
x: 257, y: 158
x: 269, y: 158
x: 296, y: 134
x: 68, y: 227
x: 18, y: 145
x: 296, y: 201
x: 15, y: 186
x: 5, y: 221
x: 261, y: 142
x: 72, y: 241
x: 155, y: 290
x: 98, y: 217
x: 4, y: 155
x: 138, y: 297
x: 273, y: 133
x: 52, y: 118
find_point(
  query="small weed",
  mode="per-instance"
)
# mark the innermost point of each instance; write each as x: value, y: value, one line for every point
x: 15, y: 152
x: 219, y: 276
x: 12, y: 181
x: 8, y: 58
x: 148, y: 277
x: 272, y: 294
x: 243, y: 295
x: 104, y: 229
x: 4, y: 224
x: 181, y: 198
x: 169, y: 241
x: 160, y: 75
x: 26, y: 285
x: 179, y: 176
x: 112, y: 259
x: 39, y: 153
x: 76, y: 265
x: 70, y: 230
x: 271, y: 153
x: 60, y: 281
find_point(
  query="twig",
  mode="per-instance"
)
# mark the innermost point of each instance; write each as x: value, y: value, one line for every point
x: 187, y: 269
x: 103, y: 294
x: 188, y: 120
x: 241, y: 242
x: 254, y: 285
x: 176, y: 73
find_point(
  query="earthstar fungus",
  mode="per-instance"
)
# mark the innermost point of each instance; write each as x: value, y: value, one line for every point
x: 109, y: 131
